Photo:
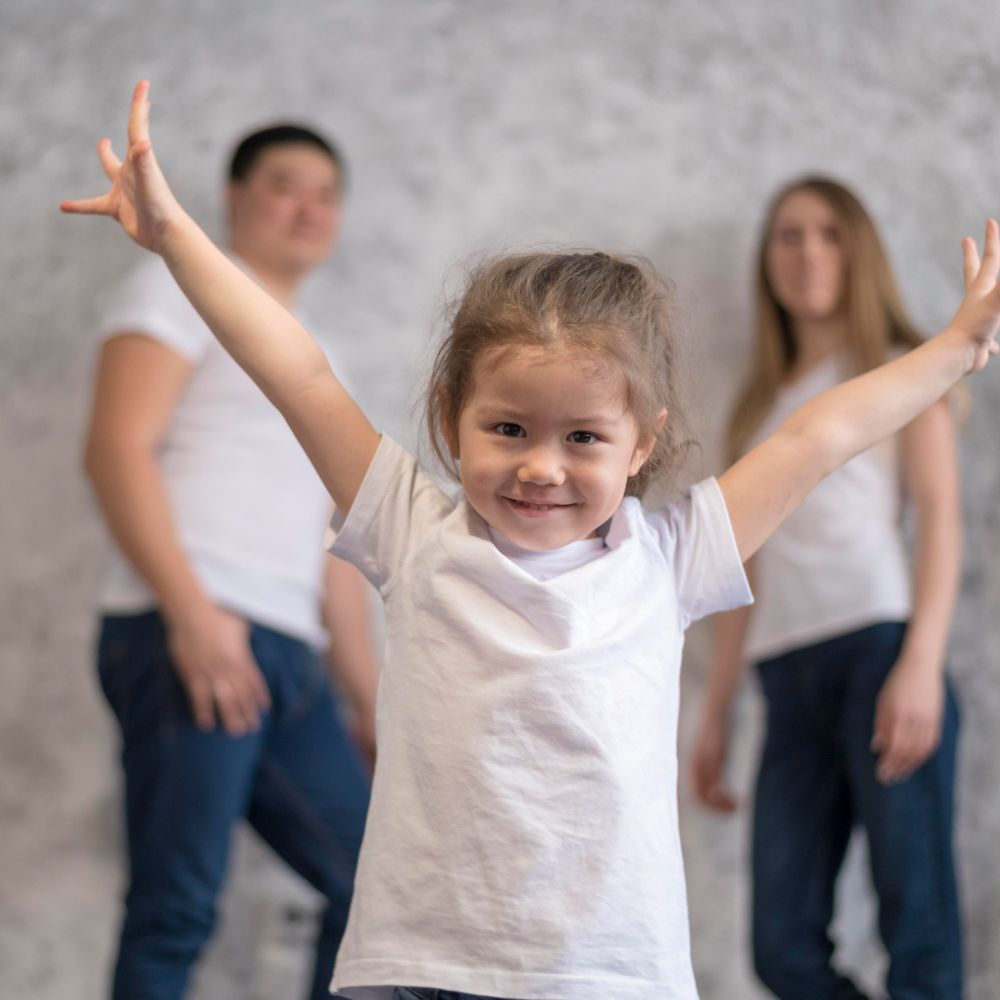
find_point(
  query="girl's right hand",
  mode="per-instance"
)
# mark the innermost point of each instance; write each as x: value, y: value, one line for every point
x: 139, y: 198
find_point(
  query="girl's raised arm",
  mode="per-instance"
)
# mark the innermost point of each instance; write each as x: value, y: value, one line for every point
x: 264, y: 338
x: 768, y: 483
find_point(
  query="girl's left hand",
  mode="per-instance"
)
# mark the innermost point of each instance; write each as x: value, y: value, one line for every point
x: 908, y: 718
x: 978, y: 317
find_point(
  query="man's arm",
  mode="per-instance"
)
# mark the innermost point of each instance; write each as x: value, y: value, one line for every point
x: 352, y: 655
x: 137, y: 385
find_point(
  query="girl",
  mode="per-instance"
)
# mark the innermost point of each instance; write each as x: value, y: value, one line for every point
x: 522, y: 840
x: 861, y: 725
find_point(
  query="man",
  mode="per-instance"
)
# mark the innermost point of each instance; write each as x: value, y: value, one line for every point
x: 212, y: 603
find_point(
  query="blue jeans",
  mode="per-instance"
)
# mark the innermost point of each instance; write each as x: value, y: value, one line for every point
x: 817, y: 780
x: 298, y: 780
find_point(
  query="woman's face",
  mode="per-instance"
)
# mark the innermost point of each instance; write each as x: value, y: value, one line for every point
x: 804, y: 258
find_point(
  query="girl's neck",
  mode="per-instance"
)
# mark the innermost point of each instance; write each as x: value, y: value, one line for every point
x: 815, y: 341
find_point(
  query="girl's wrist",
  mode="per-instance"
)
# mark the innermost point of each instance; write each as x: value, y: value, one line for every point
x: 965, y: 347
x: 173, y: 229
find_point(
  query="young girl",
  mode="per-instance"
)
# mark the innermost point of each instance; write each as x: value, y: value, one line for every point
x: 522, y: 840
x: 861, y: 725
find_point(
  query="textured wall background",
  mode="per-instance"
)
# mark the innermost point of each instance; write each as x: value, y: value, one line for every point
x: 640, y: 125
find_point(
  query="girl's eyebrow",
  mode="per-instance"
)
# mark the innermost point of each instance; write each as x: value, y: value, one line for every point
x: 497, y: 411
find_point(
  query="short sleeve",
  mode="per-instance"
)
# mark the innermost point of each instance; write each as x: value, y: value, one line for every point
x: 149, y: 301
x: 396, y: 507
x: 698, y: 542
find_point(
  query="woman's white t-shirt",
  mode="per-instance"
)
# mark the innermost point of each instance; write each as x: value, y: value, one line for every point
x: 838, y: 562
x: 523, y: 839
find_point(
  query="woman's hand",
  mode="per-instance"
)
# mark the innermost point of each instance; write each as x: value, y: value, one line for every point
x: 978, y: 317
x: 708, y: 764
x: 908, y: 716
x: 139, y: 198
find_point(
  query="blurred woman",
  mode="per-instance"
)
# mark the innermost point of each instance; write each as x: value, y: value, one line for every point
x: 848, y: 639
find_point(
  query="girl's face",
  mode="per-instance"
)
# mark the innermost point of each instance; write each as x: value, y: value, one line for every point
x: 545, y: 446
x: 804, y: 258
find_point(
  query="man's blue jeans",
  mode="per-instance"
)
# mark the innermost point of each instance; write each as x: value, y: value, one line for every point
x: 817, y: 780
x: 298, y: 781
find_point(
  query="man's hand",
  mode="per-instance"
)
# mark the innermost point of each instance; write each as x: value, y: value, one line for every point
x: 908, y: 718
x: 211, y: 652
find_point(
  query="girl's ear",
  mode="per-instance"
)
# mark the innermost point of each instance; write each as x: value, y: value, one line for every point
x: 645, y: 448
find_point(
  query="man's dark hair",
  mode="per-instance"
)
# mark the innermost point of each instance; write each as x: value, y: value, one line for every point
x: 250, y: 148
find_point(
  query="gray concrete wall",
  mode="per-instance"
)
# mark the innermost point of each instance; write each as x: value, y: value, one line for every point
x: 640, y: 125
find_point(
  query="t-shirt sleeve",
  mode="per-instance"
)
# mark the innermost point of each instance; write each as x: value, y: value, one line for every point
x: 149, y: 302
x: 698, y: 542
x: 392, y: 513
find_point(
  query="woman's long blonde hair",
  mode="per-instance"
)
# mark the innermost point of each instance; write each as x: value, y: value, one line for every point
x: 875, y: 318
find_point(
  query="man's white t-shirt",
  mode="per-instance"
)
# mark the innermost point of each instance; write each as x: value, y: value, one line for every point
x: 249, y: 509
x: 838, y: 562
x: 523, y: 838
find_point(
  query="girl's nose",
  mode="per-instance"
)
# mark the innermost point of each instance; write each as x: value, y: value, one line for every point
x: 541, y: 467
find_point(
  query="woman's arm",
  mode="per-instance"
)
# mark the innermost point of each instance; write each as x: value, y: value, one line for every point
x: 911, y: 702
x: 764, y: 486
x: 725, y: 675
x: 266, y: 340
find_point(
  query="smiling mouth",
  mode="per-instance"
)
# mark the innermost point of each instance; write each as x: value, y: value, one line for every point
x: 529, y: 507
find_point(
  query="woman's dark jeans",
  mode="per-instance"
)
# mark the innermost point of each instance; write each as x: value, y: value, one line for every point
x: 817, y: 780
x: 298, y: 780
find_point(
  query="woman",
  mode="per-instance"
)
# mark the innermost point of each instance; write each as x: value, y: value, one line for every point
x: 849, y: 643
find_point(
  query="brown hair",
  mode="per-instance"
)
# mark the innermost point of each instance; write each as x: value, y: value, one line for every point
x: 873, y: 309
x: 614, y: 308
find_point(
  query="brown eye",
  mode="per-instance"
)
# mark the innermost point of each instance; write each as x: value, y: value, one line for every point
x: 510, y: 430
x: 788, y: 237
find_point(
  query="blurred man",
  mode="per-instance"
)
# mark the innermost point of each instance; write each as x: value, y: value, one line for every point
x: 214, y: 601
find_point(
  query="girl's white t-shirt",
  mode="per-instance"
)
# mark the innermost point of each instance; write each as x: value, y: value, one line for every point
x: 838, y: 562
x: 523, y: 839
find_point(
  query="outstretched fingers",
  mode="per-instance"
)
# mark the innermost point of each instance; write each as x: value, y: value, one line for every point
x: 991, y: 251
x: 109, y: 161
x: 970, y: 261
x: 138, y: 117
x: 86, y: 206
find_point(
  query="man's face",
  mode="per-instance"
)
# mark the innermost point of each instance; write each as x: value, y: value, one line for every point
x: 286, y: 212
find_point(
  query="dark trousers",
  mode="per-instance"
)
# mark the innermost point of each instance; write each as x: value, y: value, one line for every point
x: 817, y: 780
x: 298, y: 781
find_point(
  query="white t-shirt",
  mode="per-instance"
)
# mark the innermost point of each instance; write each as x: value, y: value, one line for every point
x: 838, y: 562
x: 523, y: 839
x: 249, y: 509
